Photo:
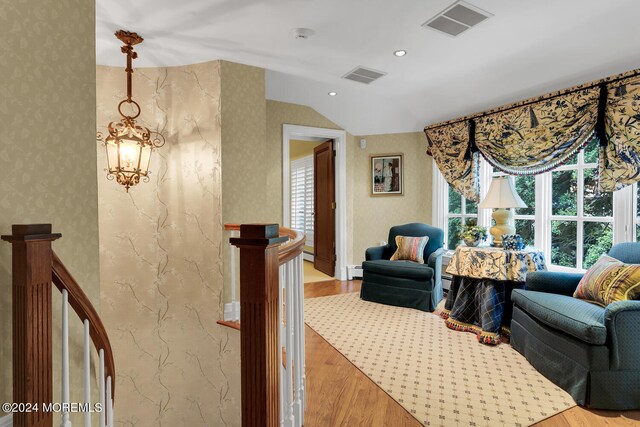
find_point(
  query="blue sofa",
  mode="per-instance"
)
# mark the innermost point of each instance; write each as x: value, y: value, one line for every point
x: 592, y: 352
x: 405, y: 283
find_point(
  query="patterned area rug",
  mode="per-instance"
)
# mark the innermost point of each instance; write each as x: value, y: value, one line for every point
x: 442, y: 377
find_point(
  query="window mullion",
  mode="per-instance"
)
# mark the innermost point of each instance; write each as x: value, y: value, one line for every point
x: 580, y: 211
x: 542, y: 214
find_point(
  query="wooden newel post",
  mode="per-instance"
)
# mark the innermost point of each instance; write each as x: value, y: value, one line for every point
x: 31, y: 301
x: 260, y: 355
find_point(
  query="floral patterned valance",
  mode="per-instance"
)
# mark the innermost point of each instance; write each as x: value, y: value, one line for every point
x: 449, y: 146
x: 540, y: 134
x: 620, y: 155
x: 539, y: 137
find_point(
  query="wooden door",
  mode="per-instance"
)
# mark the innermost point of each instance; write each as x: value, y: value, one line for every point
x: 324, y: 235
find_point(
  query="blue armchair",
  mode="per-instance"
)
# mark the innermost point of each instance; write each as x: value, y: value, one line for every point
x: 592, y: 352
x: 405, y: 283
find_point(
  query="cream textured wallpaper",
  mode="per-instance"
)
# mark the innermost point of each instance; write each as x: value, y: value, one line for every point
x: 244, y: 148
x: 161, y: 260
x: 47, y: 152
x: 373, y: 216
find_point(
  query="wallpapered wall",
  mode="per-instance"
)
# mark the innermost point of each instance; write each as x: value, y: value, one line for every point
x: 279, y: 113
x: 161, y: 257
x: 373, y: 216
x: 47, y: 153
x: 368, y: 218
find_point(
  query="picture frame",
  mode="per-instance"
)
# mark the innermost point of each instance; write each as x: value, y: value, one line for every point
x: 387, y: 175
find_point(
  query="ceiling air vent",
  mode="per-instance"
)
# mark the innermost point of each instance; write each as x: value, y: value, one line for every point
x: 457, y: 18
x: 363, y: 75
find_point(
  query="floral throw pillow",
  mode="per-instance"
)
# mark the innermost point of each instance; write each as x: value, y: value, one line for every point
x: 410, y: 249
x: 609, y: 280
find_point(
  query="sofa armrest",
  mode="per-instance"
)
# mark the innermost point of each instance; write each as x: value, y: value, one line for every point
x: 375, y: 253
x: 622, y: 319
x: 553, y: 282
x: 435, y: 262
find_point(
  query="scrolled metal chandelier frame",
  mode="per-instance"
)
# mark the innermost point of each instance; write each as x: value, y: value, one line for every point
x: 129, y: 145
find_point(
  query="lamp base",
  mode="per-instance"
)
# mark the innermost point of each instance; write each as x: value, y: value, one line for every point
x: 503, y: 219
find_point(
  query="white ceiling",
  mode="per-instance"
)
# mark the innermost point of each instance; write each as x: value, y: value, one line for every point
x: 528, y: 48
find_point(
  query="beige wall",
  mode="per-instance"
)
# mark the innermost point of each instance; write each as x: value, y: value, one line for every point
x: 374, y: 215
x: 278, y: 114
x: 368, y: 218
x: 48, y: 157
x: 161, y: 257
x: 244, y: 148
x: 299, y: 149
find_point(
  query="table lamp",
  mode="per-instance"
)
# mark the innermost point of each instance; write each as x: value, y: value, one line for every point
x: 501, y: 196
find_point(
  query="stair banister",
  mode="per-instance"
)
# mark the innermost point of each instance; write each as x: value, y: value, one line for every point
x: 34, y: 267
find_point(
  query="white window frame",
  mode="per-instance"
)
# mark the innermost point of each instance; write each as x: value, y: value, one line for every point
x: 625, y: 217
x: 440, y: 208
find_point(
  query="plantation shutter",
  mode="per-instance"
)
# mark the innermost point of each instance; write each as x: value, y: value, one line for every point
x: 302, y: 197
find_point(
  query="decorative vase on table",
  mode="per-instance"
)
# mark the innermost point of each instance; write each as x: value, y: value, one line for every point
x: 472, y: 234
x: 513, y: 242
x: 471, y: 242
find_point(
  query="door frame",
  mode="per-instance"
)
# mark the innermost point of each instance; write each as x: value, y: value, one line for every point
x: 290, y: 132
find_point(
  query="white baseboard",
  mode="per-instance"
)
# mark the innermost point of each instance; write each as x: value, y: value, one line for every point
x: 6, y: 421
x: 307, y: 257
x: 231, y: 313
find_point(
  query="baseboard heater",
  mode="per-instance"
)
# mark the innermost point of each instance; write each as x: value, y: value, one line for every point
x: 354, y: 272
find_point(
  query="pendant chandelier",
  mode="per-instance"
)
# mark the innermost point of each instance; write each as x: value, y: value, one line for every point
x: 129, y: 145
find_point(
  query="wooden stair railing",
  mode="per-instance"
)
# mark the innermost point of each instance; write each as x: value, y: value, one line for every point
x: 270, y: 270
x: 34, y: 267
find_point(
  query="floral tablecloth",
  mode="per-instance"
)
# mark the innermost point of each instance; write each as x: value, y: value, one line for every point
x: 479, y: 299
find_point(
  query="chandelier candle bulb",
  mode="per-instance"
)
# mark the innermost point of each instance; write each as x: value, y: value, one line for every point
x: 129, y: 145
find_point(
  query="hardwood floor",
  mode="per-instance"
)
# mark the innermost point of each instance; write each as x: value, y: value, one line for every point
x: 339, y: 394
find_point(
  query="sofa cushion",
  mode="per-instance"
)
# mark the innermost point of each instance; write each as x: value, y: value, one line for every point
x: 405, y: 269
x: 572, y: 316
x: 609, y: 280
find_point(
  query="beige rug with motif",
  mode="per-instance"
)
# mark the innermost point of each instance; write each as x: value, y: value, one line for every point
x: 442, y: 377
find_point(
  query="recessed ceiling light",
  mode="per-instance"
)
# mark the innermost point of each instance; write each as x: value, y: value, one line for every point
x: 332, y: 93
x: 400, y: 52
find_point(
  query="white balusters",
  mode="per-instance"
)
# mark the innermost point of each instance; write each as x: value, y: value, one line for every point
x: 297, y: 288
x: 65, y: 359
x: 291, y: 340
x: 101, y: 390
x: 232, y: 309
x: 109, y: 400
x: 289, y: 292
x: 283, y: 373
x: 87, y: 374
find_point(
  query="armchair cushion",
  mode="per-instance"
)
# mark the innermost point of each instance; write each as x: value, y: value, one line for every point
x: 609, y: 280
x: 410, y: 249
x: 404, y: 269
x: 570, y: 315
x: 553, y: 282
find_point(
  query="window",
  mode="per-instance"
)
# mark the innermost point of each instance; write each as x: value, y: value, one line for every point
x: 459, y: 212
x: 581, y: 220
x: 302, y: 196
x: 564, y: 217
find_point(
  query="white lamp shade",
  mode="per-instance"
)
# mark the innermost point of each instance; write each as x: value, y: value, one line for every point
x: 502, y: 194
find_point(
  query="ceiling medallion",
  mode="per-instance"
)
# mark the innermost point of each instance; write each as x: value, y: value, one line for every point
x: 129, y: 145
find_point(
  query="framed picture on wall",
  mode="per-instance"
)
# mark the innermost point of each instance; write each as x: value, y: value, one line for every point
x: 386, y: 175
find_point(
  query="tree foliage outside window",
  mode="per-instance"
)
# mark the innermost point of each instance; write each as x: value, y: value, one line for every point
x: 460, y: 210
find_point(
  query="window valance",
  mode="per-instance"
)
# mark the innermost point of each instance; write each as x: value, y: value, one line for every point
x: 540, y: 134
x: 539, y: 137
x: 619, y: 163
x: 449, y: 146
